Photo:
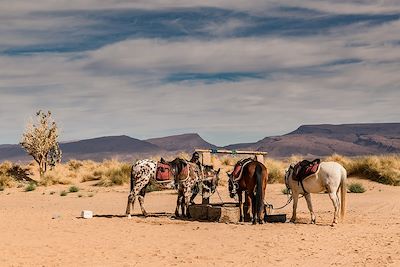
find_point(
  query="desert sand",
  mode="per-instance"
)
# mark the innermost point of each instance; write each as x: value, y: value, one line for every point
x: 43, y: 229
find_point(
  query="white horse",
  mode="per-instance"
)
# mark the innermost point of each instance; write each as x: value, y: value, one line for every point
x: 330, y: 177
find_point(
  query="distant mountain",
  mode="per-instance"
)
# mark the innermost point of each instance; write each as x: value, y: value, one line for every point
x: 308, y: 140
x: 183, y: 142
x: 122, y: 147
x: 326, y: 139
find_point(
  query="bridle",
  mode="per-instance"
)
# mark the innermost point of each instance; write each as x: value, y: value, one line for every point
x: 288, y: 172
x: 235, y: 184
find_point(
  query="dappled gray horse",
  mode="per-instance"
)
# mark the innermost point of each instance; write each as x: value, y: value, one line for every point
x: 184, y: 175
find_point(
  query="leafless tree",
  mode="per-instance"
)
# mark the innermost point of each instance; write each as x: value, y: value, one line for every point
x: 40, y: 141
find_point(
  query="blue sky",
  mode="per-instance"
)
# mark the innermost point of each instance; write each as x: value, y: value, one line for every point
x: 232, y: 71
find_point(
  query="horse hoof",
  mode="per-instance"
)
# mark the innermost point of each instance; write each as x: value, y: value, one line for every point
x: 312, y: 221
x: 292, y: 220
x: 129, y: 216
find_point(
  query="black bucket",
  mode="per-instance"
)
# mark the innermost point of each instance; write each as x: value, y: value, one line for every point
x: 276, y: 218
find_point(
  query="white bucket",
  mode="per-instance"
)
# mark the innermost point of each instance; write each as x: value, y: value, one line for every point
x: 87, y: 214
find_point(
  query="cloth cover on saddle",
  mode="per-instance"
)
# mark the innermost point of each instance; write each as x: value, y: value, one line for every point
x: 237, y: 171
x: 305, y: 168
x: 163, y: 172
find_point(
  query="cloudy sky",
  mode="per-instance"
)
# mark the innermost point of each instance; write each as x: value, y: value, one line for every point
x: 232, y: 71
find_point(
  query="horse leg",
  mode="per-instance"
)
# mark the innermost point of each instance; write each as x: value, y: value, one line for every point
x: 186, y: 202
x: 178, y: 203
x: 295, y: 200
x: 195, y: 192
x: 335, y: 200
x: 253, y: 207
x: 131, y: 203
x: 240, y: 196
x: 310, y: 207
x: 248, y: 204
x: 142, y: 193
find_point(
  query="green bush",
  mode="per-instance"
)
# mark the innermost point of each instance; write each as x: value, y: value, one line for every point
x: 356, y: 188
x: 73, y: 189
x: 63, y: 193
x: 285, y: 191
x: 30, y: 187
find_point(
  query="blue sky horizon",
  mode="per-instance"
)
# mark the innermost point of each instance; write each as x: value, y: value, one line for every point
x: 231, y: 71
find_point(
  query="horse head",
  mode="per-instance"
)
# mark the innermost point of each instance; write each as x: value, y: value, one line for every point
x: 213, y: 182
x: 288, y: 174
x: 233, y: 186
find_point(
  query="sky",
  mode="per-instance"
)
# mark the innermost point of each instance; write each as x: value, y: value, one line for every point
x: 232, y: 71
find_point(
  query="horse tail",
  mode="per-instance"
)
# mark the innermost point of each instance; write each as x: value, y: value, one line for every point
x: 259, y: 189
x: 133, y: 180
x: 343, y: 189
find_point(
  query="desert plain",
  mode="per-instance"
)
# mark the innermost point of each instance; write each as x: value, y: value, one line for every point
x: 42, y: 228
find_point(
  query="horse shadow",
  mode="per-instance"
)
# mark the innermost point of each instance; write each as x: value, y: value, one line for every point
x: 121, y: 216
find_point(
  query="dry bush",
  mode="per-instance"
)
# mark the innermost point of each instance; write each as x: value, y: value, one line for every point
x: 114, y: 173
x: 227, y: 161
x: 276, y: 170
x: 343, y: 160
x: 11, y: 174
x: 382, y: 169
x: 5, y: 179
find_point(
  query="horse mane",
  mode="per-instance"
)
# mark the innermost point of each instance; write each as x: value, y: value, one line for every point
x: 178, y: 164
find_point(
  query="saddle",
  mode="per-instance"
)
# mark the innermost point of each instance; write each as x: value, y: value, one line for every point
x: 163, y: 172
x: 305, y: 168
x: 237, y: 171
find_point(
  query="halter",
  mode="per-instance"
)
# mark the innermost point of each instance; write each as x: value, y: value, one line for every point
x: 235, y: 184
x: 291, y: 167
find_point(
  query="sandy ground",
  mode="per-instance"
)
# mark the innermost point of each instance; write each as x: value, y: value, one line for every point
x: 370, y: 235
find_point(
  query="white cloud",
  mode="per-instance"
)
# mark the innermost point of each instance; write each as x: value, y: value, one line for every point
x: 120, y: 88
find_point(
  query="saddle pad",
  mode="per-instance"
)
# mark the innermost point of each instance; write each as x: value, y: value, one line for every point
x: 305, y: 168
x: 237, y: 171
x: 163, y: 172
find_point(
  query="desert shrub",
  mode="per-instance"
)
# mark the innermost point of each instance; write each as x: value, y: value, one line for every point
x: 116, y: 175
x: 285, y: 191
x: 73, y: 189
x: 90, y: 195
x: 344, y: 161
x: 63, y: 193
x: 5, y: 179
x: 30, y: 187
x: 74, y: 165
x: 356, y: 188
x: 96, y: 175
x: 52, y: 178
x: 276, y: 170
x: 227, y: 161
x: 382, y: 169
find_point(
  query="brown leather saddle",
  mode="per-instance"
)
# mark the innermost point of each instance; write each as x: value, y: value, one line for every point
x: 237, y: 171
x: 305, y: 168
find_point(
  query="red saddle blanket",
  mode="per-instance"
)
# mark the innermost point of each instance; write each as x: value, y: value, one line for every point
x: 305, y: 168
x: 238, y: 167
x: 163, y: 172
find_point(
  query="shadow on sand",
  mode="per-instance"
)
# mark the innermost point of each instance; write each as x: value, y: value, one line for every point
x: 149, y: 215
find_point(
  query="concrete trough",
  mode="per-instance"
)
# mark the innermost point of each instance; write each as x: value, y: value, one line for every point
x: 225, y: 213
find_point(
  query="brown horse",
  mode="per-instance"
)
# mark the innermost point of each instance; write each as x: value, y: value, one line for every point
x: 250, y: 176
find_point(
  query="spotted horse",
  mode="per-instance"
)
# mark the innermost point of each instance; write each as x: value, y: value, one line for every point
x: 182, y: 174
